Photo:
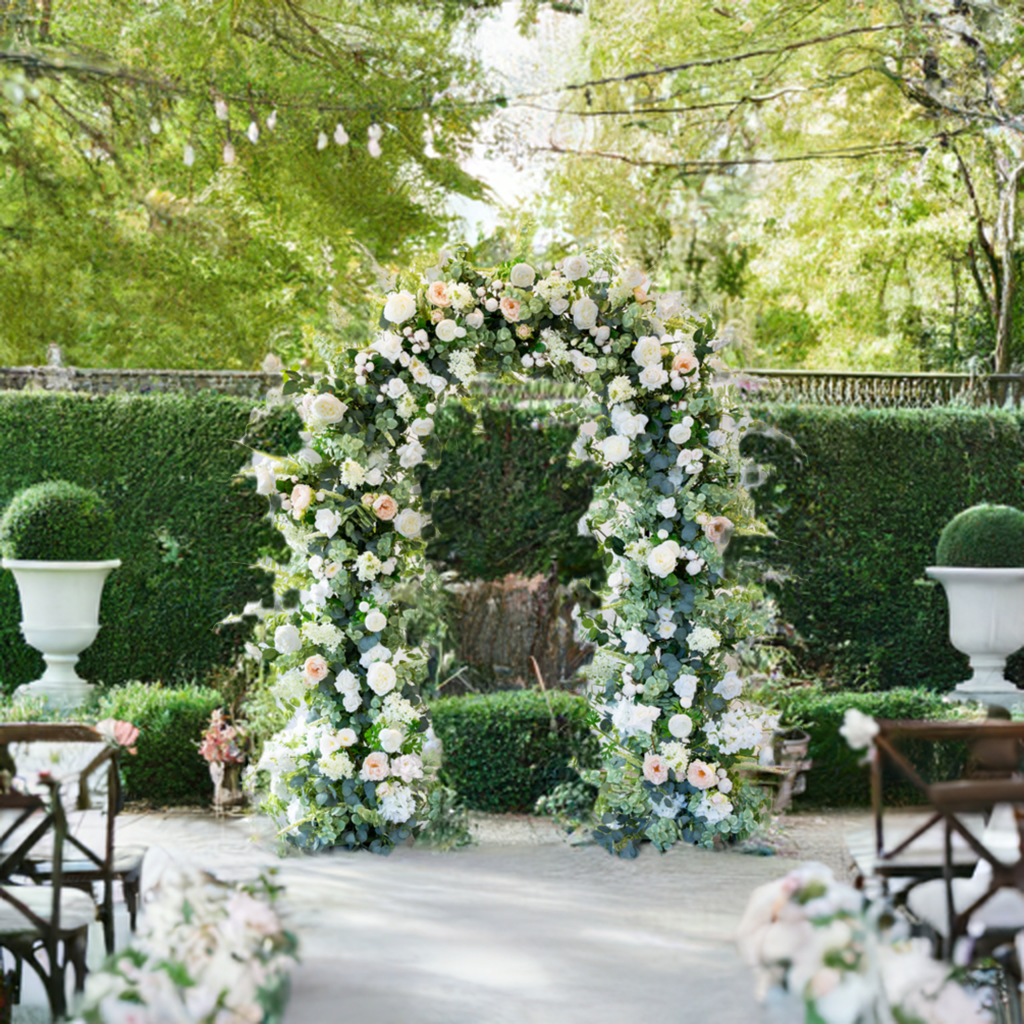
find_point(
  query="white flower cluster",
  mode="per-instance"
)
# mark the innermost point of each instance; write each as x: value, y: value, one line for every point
x: 204, y: 950
x: 742, y: 727
x: 703, y: 640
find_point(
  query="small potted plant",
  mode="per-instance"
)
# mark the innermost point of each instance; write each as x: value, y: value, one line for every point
x: 57, y: 539
x: 980, y: 558
x: 221, y: 749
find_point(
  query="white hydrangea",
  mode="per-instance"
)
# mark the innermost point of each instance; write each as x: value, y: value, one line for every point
x: 676, y: 755
x: 620, y: 390
x: 396, y: 802
x: 367, y: 566
x: 290, y: 685
x: 352, y: 473
x: 703, y: 640
x: 555, y: 347
x: 738, y: 729
x: 396, y: 710
x: 714, y: 806
x: 337, y: 766
x: 463, y: 366
x: 323, y: 634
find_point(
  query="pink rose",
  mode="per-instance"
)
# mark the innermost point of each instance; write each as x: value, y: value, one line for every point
x: 316, y: 668
x: 655, y: 769
x: 121, y: 734
x: 437, y: 294
x: 701, y: 775
x: 302, y: 495
x: 685, y: 362
x: 510, y: 309
x: 375, y: 767
x: 716, y: 529
x: 385, y: 507
x: 436, y: 316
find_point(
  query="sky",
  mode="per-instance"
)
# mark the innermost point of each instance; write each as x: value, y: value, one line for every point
x: 524, y: 64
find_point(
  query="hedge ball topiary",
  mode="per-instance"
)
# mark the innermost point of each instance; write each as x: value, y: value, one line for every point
x: 57, y: 521
x: 983, y: 537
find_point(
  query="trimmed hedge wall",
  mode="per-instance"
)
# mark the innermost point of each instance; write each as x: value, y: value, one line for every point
x: 838, y: 779
x: 857, y: 504
x: 167, y: 770
x: 187, y: 528
x: 499, y: 751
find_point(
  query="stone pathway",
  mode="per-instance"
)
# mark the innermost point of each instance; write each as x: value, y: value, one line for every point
x: 522, y: 928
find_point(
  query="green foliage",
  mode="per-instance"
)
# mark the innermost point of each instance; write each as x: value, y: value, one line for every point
x: 120, y: 249
x: 839, y: 777
x: 502, y: 751
x: 570, y: 803
x: 57, y: 522
x: 985, y: 536
x: 447, y: 821
x: 189, y: 529
x: 167, y: 769
x: 857, y: 505
x: 504, y: 500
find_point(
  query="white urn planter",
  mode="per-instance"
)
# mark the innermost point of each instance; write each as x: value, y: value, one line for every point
x: 60, y: 617
x: 986, y: 622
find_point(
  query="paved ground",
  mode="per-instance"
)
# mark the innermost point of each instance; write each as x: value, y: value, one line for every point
x: 519, y: 929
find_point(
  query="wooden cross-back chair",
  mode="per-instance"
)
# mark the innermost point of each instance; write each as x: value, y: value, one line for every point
x: 993, y: 776
x: 84, y: 867
x: 48, y: 920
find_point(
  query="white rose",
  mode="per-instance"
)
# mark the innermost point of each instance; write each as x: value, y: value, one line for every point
x: 615, y: 448
x: 287, y: 639
x: 667, y: 508
x: 327, y: 521
x: 647, y: 351
x: 422, y: 427
x: 409, y: 523
x: 632, y: 277
x: 391, y: 740
x: 475, y: 320
x: 399, y: 307
x: 375, y: 477
x: 628, y: 424
x: 585, y: 364
x: 653, y: 377
x: 396, y: 387
x: 266, y: 480
x: 522, y: 275
x: 447, y: 330
x: 558, y: 306
x: 730, y: 686
x: 346, y: 682
x: 663, y: 558
x: 718, y: 438
x: 346, y: 737
x: 375, y: 620
x: 686, y: 688
x: 381, y: 678
x: 584, y: 313
x: 411, y: 454
x: 389, y: 345
x: 437, y: 383
x: 680, y: 433
x: 680, y: 726
x: 328, y: 408
x: 574, y: 267
x: 636, y: 641
x: 419, y: 372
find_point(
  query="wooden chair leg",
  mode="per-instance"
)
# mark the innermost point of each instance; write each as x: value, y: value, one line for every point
x: 130, y: 886
x: 107, y: 915
x: 76, y: 952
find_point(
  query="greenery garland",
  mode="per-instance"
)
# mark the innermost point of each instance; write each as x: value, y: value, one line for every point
x: 353, y: 767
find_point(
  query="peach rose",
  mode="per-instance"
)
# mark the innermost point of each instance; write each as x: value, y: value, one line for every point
x: 436, y: 316
x: 655, y: 769
x: 510, y: 309
x: 640, y: 295
x: 716, y: 529
x: 437, y: 294
x: 315, y: 668
x: 385, y: 507
x: 302, y: 496
x: 375, y: 767
x: 701, y: 775
x: 685, y: 362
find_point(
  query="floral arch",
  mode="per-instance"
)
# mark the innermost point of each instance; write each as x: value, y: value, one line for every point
x: 350, y: 767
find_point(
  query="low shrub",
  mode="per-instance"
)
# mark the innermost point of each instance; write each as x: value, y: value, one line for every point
x: 500, y: 750
x: 839, y: 778
x: 983, y: 537
x: 167, y: 769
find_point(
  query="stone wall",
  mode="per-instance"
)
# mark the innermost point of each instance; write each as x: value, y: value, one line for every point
x: 243, y: 383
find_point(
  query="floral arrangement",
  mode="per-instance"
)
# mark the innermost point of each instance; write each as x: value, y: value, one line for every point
x: 118, y: 734
x: 220, y: 742
x: 825, y: 955
x: 349, y: 767
x: 209, y: 953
